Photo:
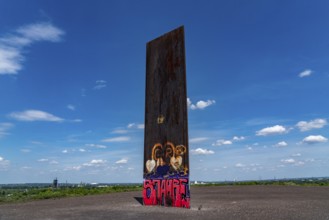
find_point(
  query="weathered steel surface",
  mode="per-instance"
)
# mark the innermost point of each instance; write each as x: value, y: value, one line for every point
x: 166, y: 134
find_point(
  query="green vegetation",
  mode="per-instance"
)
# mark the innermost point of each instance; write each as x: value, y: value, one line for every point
x: 29, y: 192
x: 284, y: 182
x: 17, y: 194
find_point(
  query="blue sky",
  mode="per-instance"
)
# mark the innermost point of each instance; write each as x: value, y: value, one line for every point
x: 72, y: 85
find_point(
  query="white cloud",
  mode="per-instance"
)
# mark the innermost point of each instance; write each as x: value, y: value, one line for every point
x: 120, y: 131
x: 189, y: 103
x: 299, y: 163
x: 197, y: 140
x: 305, y: 73
x: 53, y: 162
x: 4, y: 163
x: 82, y: 150
x: 95, y: 163
x: 288, y: 161
x: 281, y: 144
x: 222, y: 142
x: 140, y: 126
x: 296, y: 155
x: 43, y: 160
x: 76, y: 120
x: 76, y: 168
x: 313, y: 124
x: 100, y: 84
x: 201, y: 151
x: 97, y: 146
x: 34, y: 115
x: 134, y: 126
x: 40, y: 32
x: 65, y: 151
x: 277, y: 129
x: 131, y: 125
x: 12, y: 44
x: 4, y: 127
x: 71, y: 107
x: 117, y: 139
x: 10, y: 60
x: 200, y: 104
x: 122, y: 161
x: 236, y: 138
x: 293, y: 162
x: 313, y: 139
x: 240, y: 165
x: 25, y: 150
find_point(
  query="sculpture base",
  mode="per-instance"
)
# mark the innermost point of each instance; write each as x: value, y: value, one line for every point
x: 173, y: 192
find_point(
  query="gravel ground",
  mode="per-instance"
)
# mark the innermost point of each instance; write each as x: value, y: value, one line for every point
x: 225, y: 202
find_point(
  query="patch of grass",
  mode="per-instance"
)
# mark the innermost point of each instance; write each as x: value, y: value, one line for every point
x: 297, y: 182
x: 19, y: 195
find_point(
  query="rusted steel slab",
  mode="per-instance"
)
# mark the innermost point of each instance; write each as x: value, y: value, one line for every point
x: 166, y: 158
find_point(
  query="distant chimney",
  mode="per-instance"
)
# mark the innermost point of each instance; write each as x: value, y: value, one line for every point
x: 55, y: 183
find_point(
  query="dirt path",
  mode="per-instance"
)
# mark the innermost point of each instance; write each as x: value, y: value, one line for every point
x: 227, y: 202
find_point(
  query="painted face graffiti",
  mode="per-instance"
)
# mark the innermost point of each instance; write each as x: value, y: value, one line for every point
x: 166, y: 158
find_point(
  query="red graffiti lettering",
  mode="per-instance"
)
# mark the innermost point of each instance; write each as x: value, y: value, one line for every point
x: 167, y: 192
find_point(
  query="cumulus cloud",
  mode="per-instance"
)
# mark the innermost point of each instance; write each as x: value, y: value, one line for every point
x: 4, y: 127
x: 236, y: 138
x: 222, y: 142
x: 277, y: 129
x: 281, y: 144
x: 313, y: 124
x: 305, y: 73
x: 100, y: 84
x: 288, y: 161
x: 197, y: 140
x: 122, y: 161
x: 201, y: 151
x: 293, y: 162
x: 200, y: 104
x: 117, y: 139
x: 35, y: 115
x: 95, y: 163
x: 12, y: 45
x: 313, y: 139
